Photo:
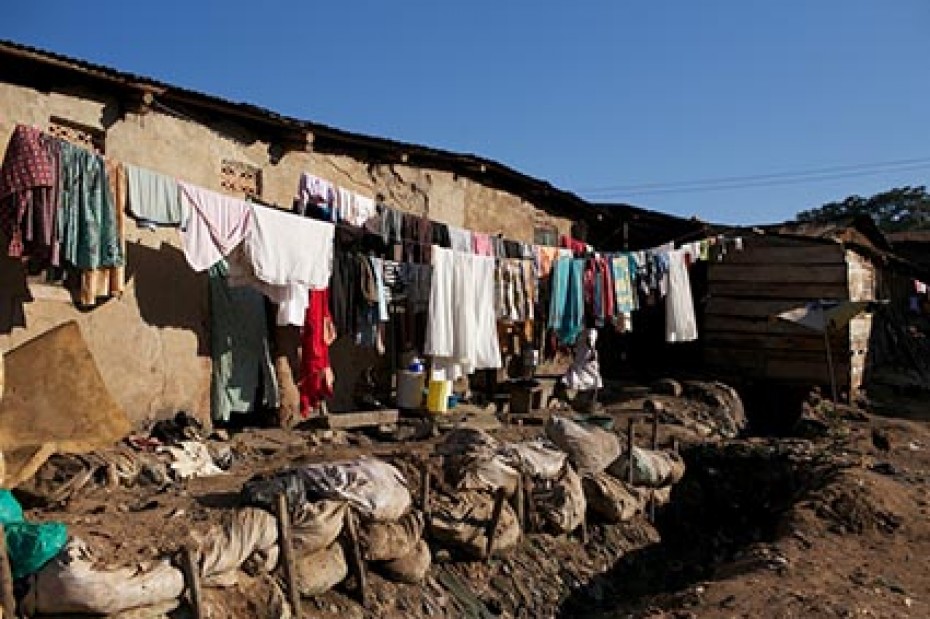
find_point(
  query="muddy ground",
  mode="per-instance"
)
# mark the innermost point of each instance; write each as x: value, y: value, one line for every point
x: 832, y: 525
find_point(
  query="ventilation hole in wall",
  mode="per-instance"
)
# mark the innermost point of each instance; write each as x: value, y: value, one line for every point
x: 241, y: 178
x: 91, y: 138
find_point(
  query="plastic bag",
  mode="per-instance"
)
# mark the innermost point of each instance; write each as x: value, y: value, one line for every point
x: 654, y: 469
x: 29, y: 545
x: 590, y: 450
x: 71, y: 583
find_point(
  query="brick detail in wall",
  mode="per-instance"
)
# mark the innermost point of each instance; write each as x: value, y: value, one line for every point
x: 241, y: 178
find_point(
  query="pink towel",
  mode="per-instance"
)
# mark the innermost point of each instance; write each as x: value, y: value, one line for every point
x: 216, y: 226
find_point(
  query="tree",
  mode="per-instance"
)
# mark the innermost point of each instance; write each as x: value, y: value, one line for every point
x: 901, y: 208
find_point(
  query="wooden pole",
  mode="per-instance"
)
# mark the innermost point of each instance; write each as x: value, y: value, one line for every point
x: 826, y: 339
x: 287, y: 552
x: 520, y: 503
x: 424, y: 489
x: 7, y: 597
x: 499, y: 498
x: 191, y: 569
x: 355, y: 557
x: 630, y: 436
x: 529, y: 506
x: 655, y: 445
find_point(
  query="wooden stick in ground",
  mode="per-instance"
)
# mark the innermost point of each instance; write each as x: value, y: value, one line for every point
x: 356, y: 564
x: 499, y: 498
x: 519, y: 501
x: 192, y: 579
x: 529, y: 506
x: 424, y: 489
x: 630, y: 436
x: 286, y: 544
x: 656, y: 409
x: 7, y: 597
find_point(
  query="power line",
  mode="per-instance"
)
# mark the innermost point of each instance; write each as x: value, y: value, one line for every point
x: 728, y: 181
x: 720, y: 185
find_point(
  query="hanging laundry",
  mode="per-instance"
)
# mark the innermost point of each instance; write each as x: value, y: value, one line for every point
x: 312, y: 189
x: 285, y: 249
x: 29, y: 194
x: 482, y: 244
x: 344, y: 292
x: 566, y: 309
x: 355, y: 209
x: 439, y: 332
x: 243, y: 376
x: 680, y: 323
x: 87, y: 221
x: 545, y: 257
x: 461, y: 240
x: 579, y: 248
x: 475, y: 343
x: 216, y: 226
x: 109, y: 281
x: 498, y: 244
x: 316, y: 376
x: 154, y: 197
x: 623, y: 289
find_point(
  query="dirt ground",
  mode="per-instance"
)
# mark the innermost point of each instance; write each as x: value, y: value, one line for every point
x: 833, y: 525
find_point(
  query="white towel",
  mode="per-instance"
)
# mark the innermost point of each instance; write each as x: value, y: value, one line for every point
x: 286, y: 249
x: 216, y: 226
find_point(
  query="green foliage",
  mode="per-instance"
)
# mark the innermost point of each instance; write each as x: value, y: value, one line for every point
x: 901, y: 208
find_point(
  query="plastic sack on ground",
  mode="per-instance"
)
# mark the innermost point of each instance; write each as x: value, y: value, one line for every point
x: 482, y: 469
x: 375, y: 488
x: 316, y: 526
x: 559, y: 503
x: 461, y: 523
x: 653, y: 469
x: 464, y: 440
x: 537, y: 458
x: 320, y: 571
x: 244, y: 534
x: 590, y: 450
x: 190, y: 459
x: 70, y: 583
x: 29, y: 545
x: 386, y: 541
x: 410, y: 568
x: 610, y: 499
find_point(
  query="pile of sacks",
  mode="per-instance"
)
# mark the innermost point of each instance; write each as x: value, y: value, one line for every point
x: 555, y: 483
x: 573, y: 473
x: 319, y: 498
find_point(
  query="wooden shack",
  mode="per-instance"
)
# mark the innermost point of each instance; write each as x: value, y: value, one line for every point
x: 784, y: 267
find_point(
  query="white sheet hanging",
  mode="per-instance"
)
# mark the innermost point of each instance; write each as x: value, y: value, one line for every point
x: 462, y: 326
x: 680, y: 324
x: 286, y: 249
x: 216, y: 226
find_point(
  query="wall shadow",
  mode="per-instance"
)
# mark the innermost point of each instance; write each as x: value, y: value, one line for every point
x: 168, y: 292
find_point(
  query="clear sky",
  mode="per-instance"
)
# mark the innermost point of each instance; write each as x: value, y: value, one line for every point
x: 596, y: 97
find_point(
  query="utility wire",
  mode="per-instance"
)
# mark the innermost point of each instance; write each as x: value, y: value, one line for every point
x: 720, y: 185
x: 727, y: 181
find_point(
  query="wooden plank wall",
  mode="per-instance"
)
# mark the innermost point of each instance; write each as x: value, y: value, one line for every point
x: 746, y: 290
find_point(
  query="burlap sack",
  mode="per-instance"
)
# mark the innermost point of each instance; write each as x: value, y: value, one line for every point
x: 386, y: 541
x: 461, y: 523
x: 412, y: 567
x: 590, y: 450
x: 610, y: 499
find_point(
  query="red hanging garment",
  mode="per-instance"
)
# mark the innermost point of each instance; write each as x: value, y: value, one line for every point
x: 316, y: 376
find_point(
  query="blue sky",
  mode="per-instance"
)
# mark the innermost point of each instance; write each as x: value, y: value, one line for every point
x: 588, y: 95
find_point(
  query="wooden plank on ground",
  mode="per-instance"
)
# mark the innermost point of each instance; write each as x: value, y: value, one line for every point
x: 809, y: 274
x: 362, y: 419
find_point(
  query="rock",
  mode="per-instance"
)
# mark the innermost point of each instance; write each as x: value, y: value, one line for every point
x: 881, y: 439
x: 667, y: 386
